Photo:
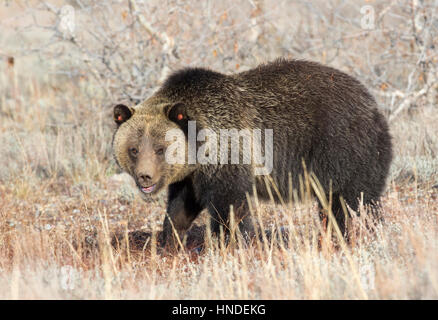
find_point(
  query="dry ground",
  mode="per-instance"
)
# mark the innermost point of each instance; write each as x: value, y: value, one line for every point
x: 62, y: 197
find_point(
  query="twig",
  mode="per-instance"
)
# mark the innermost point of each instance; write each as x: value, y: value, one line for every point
x: 407, y: 102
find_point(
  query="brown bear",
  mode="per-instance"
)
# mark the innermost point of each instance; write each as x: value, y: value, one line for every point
x: 302, y: 111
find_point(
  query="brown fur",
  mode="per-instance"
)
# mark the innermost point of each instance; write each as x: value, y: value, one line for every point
x: 318, y: 114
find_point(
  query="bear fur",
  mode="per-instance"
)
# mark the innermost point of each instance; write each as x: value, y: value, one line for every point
x: 320, y: 116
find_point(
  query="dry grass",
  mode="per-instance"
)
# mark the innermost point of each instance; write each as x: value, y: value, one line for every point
x: 62, y: 198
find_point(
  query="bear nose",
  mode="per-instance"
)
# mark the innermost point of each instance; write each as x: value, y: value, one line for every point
x: 144, y: 179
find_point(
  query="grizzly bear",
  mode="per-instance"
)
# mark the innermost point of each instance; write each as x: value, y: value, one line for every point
x: 305, y: 115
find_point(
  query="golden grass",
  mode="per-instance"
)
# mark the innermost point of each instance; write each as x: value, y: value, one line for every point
x: 45, y: 256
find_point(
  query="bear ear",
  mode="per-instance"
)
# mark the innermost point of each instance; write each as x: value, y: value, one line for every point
x: 177, y: 113
x: 122, y: 113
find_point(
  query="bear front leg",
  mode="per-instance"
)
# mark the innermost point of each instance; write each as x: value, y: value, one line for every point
x: 182, y: 209
x: 222, y: 193
x: 220, y: 216
x: 217, y: 188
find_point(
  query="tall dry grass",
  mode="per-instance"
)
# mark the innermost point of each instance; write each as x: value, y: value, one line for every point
x: 62, y: 198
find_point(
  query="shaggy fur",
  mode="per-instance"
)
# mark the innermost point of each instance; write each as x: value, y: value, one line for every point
x: 318, y: 114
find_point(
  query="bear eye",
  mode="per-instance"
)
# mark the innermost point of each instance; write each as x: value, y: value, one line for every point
x: 159, y: 152
x: 133, y: 152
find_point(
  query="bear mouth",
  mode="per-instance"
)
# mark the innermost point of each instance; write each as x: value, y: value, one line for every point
x: 148, y: 189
